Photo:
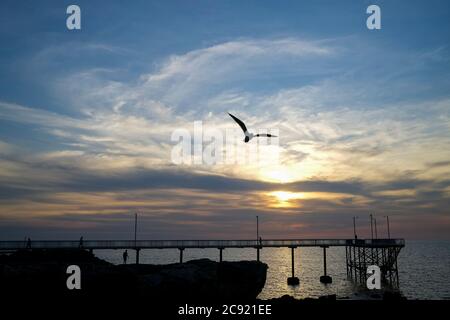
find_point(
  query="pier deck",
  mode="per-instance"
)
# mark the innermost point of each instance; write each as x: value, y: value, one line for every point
x: 186, y: 244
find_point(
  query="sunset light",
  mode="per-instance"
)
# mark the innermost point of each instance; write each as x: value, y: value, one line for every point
x: 285, y: 199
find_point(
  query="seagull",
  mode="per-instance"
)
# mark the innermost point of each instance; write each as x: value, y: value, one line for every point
x: 249, y: 135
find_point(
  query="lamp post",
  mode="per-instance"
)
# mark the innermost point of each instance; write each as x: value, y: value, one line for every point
x: 258, y: 243
x: 354, y: 228
x: 135, y: 228
x: 257, y: 229
x: 376, y: 232
x: 135, y: 239
x: 371, y: 225
x: 388, y: 228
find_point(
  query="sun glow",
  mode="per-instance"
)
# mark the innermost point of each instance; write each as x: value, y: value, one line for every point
x: 285, y: 173
x: 281, y: 176
x: 284, y: 198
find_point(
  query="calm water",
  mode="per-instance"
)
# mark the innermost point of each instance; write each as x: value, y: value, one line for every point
x: 424, y: 268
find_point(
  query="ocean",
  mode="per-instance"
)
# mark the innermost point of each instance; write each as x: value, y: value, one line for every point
x: 424, y: 269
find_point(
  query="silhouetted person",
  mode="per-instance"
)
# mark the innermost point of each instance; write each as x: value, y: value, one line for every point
x: 260, y: 241
x: 80, y: 245
x: 125, y: 256
x: 29, y: 243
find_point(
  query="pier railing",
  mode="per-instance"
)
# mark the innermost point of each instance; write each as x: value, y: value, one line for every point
x: 176, y: 244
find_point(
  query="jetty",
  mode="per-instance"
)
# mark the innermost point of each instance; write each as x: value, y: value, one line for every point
x: 359, y: 253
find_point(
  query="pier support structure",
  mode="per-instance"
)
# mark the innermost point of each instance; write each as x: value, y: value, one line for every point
x: 181, y: 254
x: 293, y: 280
x: 361, y: 255
x: 137, y: 255
x: 325, y: 278
x: 220, y: 254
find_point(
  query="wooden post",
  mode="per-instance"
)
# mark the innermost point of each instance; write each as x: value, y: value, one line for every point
x: 346, y: 259
x: 292, y: 261
x: 181, y: 254
x: 325, y: 278
x: 293, y: 280
x: 137, y: 255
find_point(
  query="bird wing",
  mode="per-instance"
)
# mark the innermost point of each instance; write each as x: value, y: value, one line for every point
x: 265, y: 135
x: 239, y: 122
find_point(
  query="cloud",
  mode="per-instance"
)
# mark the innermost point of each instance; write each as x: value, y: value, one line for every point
x: 327, y: 128
x: 22, y: 114
x: 235, y: 53
x: 345, y: 147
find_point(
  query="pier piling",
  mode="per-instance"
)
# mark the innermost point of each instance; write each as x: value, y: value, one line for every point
x: 181, y: 254
x: 346, y: 259
x: 137, y: 255
x: 325, y: 278
x: 293, y: 280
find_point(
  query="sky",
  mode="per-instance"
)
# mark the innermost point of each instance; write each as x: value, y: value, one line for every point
x: 87, y: 116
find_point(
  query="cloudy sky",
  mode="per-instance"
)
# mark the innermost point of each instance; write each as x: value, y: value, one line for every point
x: 86, y: 118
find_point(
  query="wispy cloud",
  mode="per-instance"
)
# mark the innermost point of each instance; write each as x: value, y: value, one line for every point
x: 111, y: 152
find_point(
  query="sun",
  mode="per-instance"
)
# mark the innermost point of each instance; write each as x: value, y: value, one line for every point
x: 284, y: 198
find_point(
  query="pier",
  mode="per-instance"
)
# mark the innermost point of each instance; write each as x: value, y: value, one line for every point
x: 358, y: 253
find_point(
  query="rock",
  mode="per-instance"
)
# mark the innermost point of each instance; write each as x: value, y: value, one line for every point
x: 326, y: 279
x: 293, y: 281
x: 330, y: 297
x: 202, y: 279
x: 393, y: 296
x: 44, y: 272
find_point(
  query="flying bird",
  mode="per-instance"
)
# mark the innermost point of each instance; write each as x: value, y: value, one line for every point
x: 249, y: 135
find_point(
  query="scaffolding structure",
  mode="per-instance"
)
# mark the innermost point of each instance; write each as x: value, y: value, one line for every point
x: 360, y: 254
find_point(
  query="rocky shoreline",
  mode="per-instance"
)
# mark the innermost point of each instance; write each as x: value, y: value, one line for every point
x: 44, y: 273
